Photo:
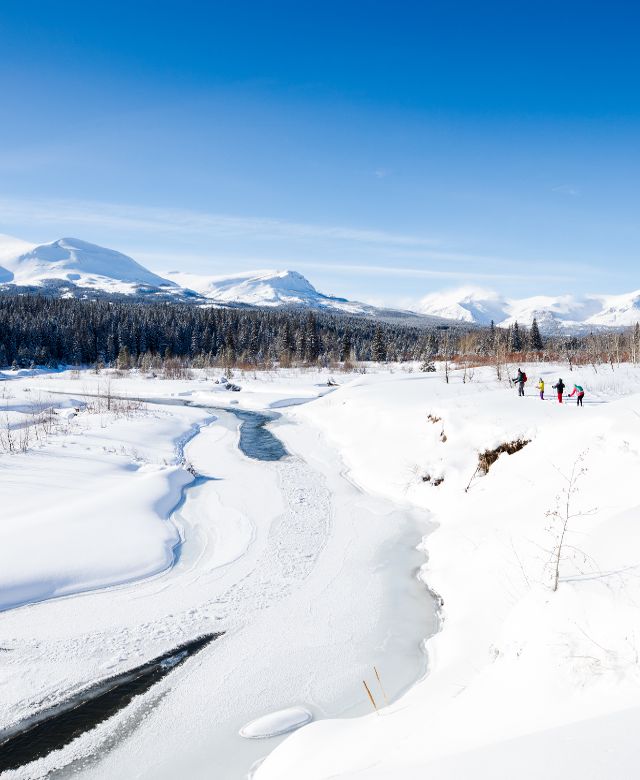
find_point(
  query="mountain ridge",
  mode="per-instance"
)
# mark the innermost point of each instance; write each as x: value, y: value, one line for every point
x: 554, y: 314
x: 74, y: 267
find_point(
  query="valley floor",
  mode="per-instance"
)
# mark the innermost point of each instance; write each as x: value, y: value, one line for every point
x: 112, y: 552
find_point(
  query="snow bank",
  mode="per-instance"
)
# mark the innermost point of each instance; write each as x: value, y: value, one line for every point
x: 91, y: 506
x: 513, y: 659
x: 276, y: 723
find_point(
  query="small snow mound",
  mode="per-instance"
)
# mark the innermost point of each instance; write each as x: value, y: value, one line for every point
x: 276, y: 723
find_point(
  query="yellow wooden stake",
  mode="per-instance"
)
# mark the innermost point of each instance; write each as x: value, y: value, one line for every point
x: 386, y: 701
x: 373, y: 701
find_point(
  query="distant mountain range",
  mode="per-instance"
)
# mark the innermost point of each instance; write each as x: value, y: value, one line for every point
x: 554, y: 314
x: 74, y: 268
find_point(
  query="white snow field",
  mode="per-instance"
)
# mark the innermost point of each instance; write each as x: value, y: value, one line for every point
x: 112, y: 553
x: 523, y: 681
x: 313, y: 581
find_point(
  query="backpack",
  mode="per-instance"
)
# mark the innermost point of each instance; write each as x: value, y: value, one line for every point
x: 524, y: 377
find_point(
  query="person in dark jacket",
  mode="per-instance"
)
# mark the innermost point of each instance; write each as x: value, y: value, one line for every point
x: 580, y: 391
x: 520, y: 380
x: 559, y: 387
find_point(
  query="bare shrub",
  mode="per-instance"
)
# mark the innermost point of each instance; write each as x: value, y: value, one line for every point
x: 174, y: 368
x: 487, y: 458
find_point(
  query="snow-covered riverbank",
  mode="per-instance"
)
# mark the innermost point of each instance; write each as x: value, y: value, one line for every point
x: 308, y: 565
x: 523, y: 681
x: 312, y: 581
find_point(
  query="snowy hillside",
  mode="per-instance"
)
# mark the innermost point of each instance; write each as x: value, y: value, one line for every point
x: 75, y: 261
x: 262, y: 288
x: 473, y: 306
x: 373, y: 551
x: 617, y: 310
x: 276, y: 288
x: 525, y: 681
x: 555, y: 314
x: 70, y: 266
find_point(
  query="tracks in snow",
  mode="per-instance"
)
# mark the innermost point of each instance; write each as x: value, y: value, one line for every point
x: 295, y: 541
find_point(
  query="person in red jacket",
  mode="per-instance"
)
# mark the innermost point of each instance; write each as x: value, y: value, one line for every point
x: 559, y: 387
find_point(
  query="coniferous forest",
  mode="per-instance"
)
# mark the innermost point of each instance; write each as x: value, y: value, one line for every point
x: 48, y: 331
x: 45, y: 331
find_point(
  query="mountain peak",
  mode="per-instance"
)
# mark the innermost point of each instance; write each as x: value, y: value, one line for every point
x: 256, y: 288
x: 77, y: 261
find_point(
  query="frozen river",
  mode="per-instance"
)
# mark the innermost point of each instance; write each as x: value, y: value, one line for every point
x: 311, y: 582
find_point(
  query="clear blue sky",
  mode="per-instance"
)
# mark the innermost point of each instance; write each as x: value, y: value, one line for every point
x: 383, y: 149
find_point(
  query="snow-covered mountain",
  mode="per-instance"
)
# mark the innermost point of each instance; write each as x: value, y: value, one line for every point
x: 73, y: 267
x: 256, y: 288
x: 265, y: 288
x: 474, y: 306
x: 79, y: 263
x: 554, y: 314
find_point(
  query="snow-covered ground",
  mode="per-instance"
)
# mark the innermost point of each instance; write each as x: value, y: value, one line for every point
x: 308, y: 565
x: 312, y: 581
x: 523, y: 681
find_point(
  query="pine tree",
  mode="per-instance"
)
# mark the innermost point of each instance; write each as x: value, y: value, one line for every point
x: 311, y: 338
x: 378, y: 346
x: 516, y: 338
x: 537, y: 344
x: 346, y: 347
x: 123, y: 360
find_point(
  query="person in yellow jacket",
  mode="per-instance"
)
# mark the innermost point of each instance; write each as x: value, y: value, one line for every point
x: 541, y: 388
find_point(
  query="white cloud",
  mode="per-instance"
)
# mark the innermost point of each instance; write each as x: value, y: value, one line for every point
x: 566, y: 189
x: 164, y: 238
x: 167, y: 220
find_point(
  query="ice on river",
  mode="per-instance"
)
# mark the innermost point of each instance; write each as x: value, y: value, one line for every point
x: 312, y: 581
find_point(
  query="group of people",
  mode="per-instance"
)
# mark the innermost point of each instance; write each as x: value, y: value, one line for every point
x: 559, y: 387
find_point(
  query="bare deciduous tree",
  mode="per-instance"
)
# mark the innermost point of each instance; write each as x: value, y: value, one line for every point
x: 561, y: 518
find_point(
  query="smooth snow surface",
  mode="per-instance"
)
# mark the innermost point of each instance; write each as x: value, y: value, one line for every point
x: 276, y: 723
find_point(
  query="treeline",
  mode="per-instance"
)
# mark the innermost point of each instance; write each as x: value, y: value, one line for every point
x: 517, y: 343
x: 41, y: 331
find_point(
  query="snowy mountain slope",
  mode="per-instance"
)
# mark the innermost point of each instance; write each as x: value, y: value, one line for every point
x: 474, y: 306
x: 258, y: 288
x: 79, y: 262
x: 617, y: 310
x: 10, y: 248
x: 554, y: 314
x: 70, y: 266
x: 274, y: 288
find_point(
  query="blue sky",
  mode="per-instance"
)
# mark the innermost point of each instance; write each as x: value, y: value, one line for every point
x: 385, y: 150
